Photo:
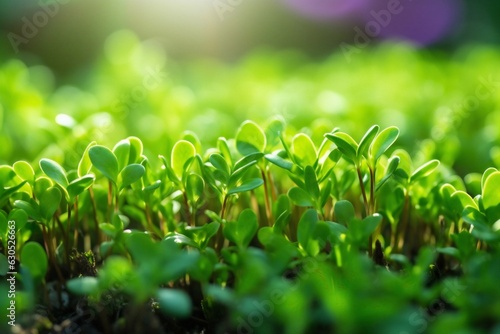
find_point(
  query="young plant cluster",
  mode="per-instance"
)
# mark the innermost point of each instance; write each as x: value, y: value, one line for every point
x: 268, y: 231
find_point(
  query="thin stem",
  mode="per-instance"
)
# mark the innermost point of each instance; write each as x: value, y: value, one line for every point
x: 51, y: 252
x: 189, y: 216
x: 363, y: 191
x: 224, y: 207
x: 271, y: 184
x: 117, y: 201
x: 94, y: 211
x: 372, y: 190
x: 75, y: 233
x: 65, y: 236
x: 266, y: 198
x: 110, y: 199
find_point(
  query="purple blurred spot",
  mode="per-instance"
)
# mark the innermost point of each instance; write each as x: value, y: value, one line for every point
x: 421, y: 22
x: 327, y: 9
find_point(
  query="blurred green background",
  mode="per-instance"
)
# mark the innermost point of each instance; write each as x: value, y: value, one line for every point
x: 74, y: 71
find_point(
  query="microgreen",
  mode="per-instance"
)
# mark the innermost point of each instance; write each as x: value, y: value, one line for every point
x: 268, y: 214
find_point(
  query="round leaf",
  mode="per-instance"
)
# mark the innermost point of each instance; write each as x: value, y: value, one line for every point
x: 174, y: 303
x: 247, y: 185
x: 306, y: 230
x: 83, y: 285
x: 53, y: 170
x: 344, y: 212
x: 345, y: 144
x: 300, y: 197
x: 366, y: 141
x: 122, y: 153
x: 491, y: 193
x: 382, y: 142
x: 250, y: 138
x: 85, y: 165
x: 105, y: 161
x: 24, y: 171
x: 136, y: 149
x: 182, y: 154
x: 194, y: 187
x: 34, y: 258
x: 130, y: 174
x: 304, y: 150
x: 76, y: 187
x: 424, y: 170
x: 50, y: 201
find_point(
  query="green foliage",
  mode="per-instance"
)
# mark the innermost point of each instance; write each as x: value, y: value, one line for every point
x: 268, y: 222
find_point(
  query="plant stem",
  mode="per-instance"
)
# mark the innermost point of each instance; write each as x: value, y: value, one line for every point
x: 224, y: 207
x: 110, y: 200
x: 372, y: 190
x: 266, y: 198
x: 271, y: 184
x: 94, y: 210
x: 363, y: 191
x: 75, y: 234
x: 51, y: 252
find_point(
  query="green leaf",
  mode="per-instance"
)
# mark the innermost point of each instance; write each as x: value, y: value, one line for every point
x: 201, y: 235
x: 141, y: 247
x: 405, y: 164
x: 344, y: 212
x: 130, y: 174
x: 53, y: 170
x: 20, y: 217
x: 246, y: 186
x: 247, y: 160
x: 239, y: 173
x: 491, y: 197
x: 300, y: 197
x: 326, y: 191
x: 122, y: 153
x: 274, y: 130
x: 49, y: 203
x: 83, y: 286
x: 220, y: 164
x: 77, y: 186
x: 366, y: 142
x: 279, y: 161
x: 382, y: 142
x: 360, y: 230
x: 304, y: 150
x: 105, y: 161
x: 24, y: 171
x: 34, y: 258
x: 452, y: 251
x: 345, y: 144
x: 486, y: 174
x: 424, y: 170
x: 85, y: 165
x: 460, y: 200
x: 242, y: 231
x: 194, y: 187
x: 311, y: 182
x: 5, y: 193
x: 136, y: 149
x: 4, y: 265
x: 250, y: 138
x: 306, y: 230
x: 182, y: 155
x: 31, y: 208
x: 108, y: 229
x: 175, y: 303
x: 224, y: 150
x: 391, y: 168
x: 465, y: 243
